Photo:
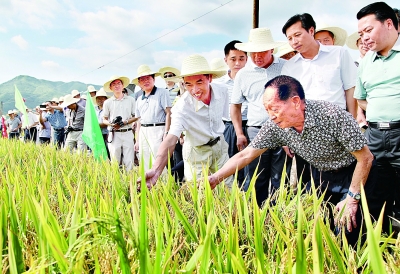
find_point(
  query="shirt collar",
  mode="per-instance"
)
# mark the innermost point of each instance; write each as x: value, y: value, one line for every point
x: 322, y: 48
x: 275, y: 61
x: 396, y: 47
x: 153, y: 91
x: 115, y: 98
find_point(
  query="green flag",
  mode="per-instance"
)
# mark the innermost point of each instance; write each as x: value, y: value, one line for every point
x: 92, y: 135
x: 20, y: 105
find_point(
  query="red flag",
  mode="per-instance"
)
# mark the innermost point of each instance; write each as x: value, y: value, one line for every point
x: 3, y: 127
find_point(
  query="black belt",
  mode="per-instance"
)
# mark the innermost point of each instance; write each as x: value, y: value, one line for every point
x: 123, y: 130
x: 75, y: 129
x: 213, y: 142
x: 58, y: 129
x: 384, y: 125
x: 153, y: 125
x: 255, y: 126
x: 244, y: 123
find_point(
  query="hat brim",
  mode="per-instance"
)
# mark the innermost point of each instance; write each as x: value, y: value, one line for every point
x: 215, y: 73
x: 163, y: 70
x: 351, y: 41
x: 340, y: 35
x: 257, y: 47
x: 136, y: 80
x: 66, y: 104
x: 125, y: 83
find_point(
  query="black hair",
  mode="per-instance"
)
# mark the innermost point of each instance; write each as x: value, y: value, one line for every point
x: 231, y: 46
x: 382, y: 12
x: 306, y: 20
x: 329, y: 33
x: 397, y: 12
x: 287, y: 87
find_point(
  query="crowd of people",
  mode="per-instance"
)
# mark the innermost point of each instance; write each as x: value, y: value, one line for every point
x: 304, y: 99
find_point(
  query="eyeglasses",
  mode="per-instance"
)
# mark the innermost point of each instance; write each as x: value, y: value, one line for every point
x: 169, y: 75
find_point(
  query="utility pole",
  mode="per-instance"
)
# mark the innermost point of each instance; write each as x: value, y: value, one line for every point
x: 255, y: 13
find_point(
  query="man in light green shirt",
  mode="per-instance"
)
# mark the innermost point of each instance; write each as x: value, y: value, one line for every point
x: 378, y: 92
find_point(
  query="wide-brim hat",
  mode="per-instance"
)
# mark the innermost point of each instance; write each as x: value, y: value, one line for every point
x: 339, y: 34
x: 197, y: 65
x: 10, y: 112
x: 91, y: 89
x: 218, y: 64
x: 55, y: 99
x: 144, y: 70
x: 15, y: 111
x: 351, y: 41
x: 101, y: 93
x: 69, y: 100
x: 282, y: 50
x: 61, y: 99
x: 163, y: 70
x: 124, y: 80
x: 75, y: 93
x: 260, y: 39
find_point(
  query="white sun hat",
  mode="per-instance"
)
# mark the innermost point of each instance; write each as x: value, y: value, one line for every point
x: 218, y: 64
x: 144, y: 70
x: 351, y: 41
x: 91, y: 89
x: 163, y: 70
x: 339, y: 34
x: 260, y: 39
x: 101, y: 93
x: 69, y: 100
x: 10, y: 112
x: 75, y: 93
x: 282, y: 50
x: 55, y: 99
x: 124, y: 80
x: 196, y: 65
x: 61, y: 99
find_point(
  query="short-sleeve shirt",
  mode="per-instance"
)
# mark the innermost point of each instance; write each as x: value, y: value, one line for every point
x: 250, y: 86
x: 326, y: 76
x: 125, y: 108
x: 329, y: 136
x: 378, y: 82
x: 229, y: 83
x: 76, y: 118
x: 100, y: 118
x: 151, y: 109
x: 44, y: 131
x: 201, y: 122
x: 14, y: 123
x: 57, y: 119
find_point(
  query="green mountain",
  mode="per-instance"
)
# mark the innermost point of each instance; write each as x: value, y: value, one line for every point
x: 35, y: 91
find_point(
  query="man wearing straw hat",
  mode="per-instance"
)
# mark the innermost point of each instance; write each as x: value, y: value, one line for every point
x: 55, y: 116
x: 248, y: 87
x: 153, y: 106
x: 76, y: 94
x: 199, y: 112
x: 13, y: 125
x: 75, y: 116
x: 118, y: 115
x: 234, y: 61
x: 172, y: 87
x: 326, y: 72
x: 329, y: 36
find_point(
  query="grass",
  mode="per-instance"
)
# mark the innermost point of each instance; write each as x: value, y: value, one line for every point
x: 66, y: 213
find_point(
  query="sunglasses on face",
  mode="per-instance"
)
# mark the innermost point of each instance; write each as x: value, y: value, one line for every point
x: 169, y: 75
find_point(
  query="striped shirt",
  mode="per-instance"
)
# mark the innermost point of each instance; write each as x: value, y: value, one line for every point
x: 249, y: 86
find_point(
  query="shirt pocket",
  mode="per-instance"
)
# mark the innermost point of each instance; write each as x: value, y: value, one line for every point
x: 329, y: 78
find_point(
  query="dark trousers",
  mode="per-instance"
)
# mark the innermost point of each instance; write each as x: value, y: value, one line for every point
x: 385, y: 146
x: 59, y: 138
x: 44, y: 140
x: 231, y: 139
x: 13, y: 135
x: 270, y: 166
x: 177, y: 168
x: 337, y: 183
x: 105, y: 143
x: 31, y: 134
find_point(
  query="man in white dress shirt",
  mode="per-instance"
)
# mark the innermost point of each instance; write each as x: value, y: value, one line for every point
x: 199, y: 113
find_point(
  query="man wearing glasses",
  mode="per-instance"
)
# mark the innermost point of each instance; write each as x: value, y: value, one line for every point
x: 153, y: 106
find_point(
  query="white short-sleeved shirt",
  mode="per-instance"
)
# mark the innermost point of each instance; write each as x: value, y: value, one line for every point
x: 125, y: 108
x: 249, y: 87
x: 201, y: 122
x: 326, y: 76
x: 227, y: 81
x: 151, y: 109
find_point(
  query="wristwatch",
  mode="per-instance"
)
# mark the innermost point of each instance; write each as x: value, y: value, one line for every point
x: 355, y: 196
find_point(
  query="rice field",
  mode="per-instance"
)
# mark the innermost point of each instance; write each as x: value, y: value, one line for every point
x: 66, y: 213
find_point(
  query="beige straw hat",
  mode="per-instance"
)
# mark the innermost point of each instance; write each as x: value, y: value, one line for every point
x: 91, y: 89
x: 351, y: 41
x: 339, y: 34
x: 282, y: 50
x: 125, y: 82
x: 260, y: 39
x: 163, y: 70
x: 61, y: 99
x: 144, y: 70
x: 10, y: 112
x: 69, y: 100
x: 15, y: 111
x: 196, y: 65
x: 218, y: 64
x: 55, y: 99
x: 75, y: 93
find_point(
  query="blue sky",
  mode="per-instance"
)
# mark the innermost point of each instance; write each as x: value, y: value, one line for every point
x: 68, y: 40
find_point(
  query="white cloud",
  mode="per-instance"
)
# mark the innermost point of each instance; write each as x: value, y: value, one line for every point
x: 20, y: 42
x: 48, y: 64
